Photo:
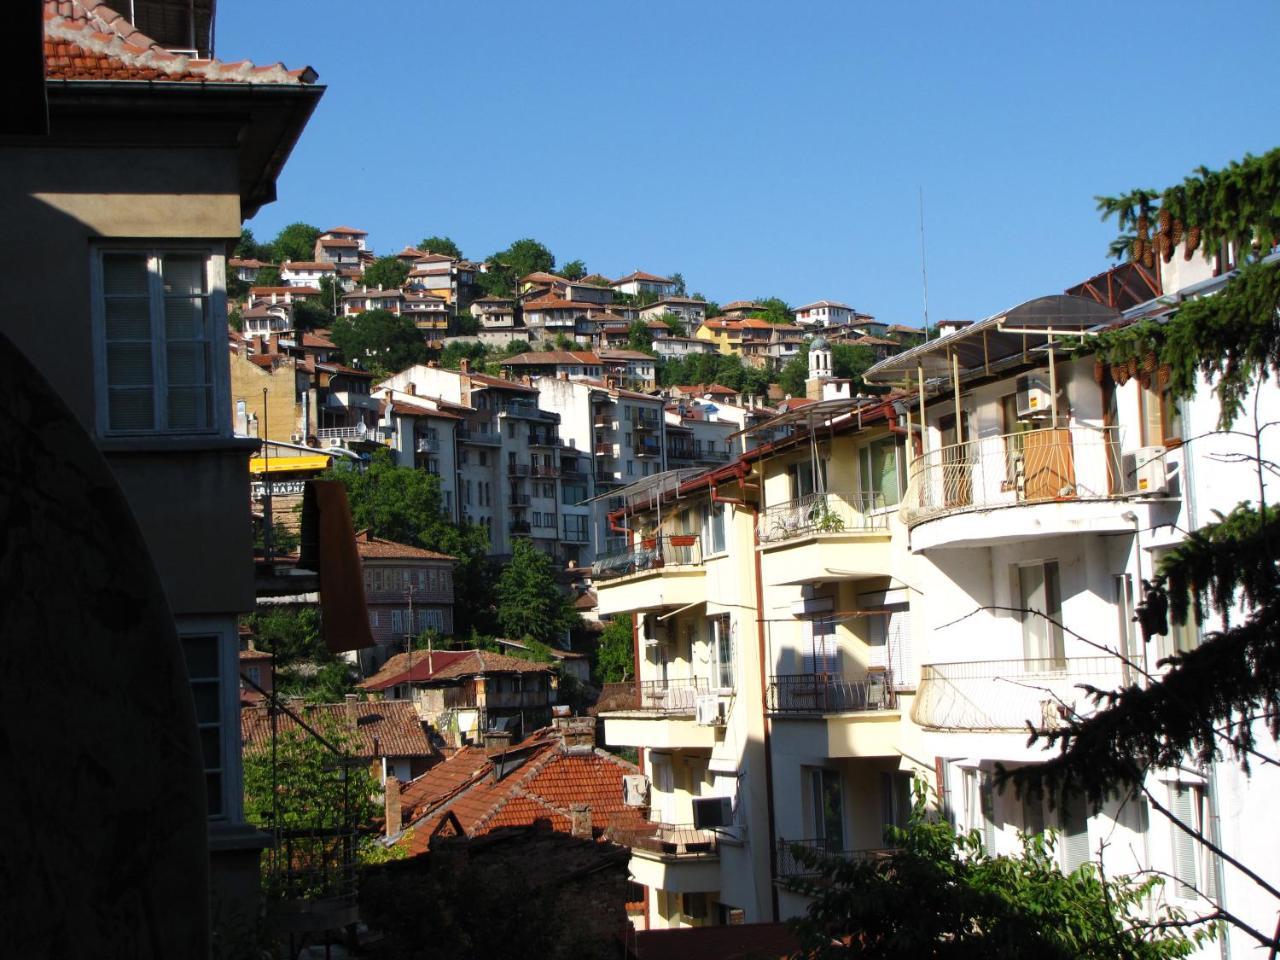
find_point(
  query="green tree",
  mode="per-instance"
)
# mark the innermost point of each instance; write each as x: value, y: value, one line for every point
x: 440, y: 245
x: 268, y: 276
x: 940, y: 894
x: 297, y: 241
x: 466, y: 325
x: 615, y: 661
x: 291, y: 636
x: 311, y: 313
x: 330, y: 295
x: 452, y: 355
x: 529, y: 602
x: 506, y: 267
x: 774, y: 310
x: 794, y: 373
x: 574, y: 270
x: 678, y: 279
x: 639, y: 337
x: 406, y: 505
x: 235, y: 320
x: 674, y: 323
x: 379, y: 341
x: 388, y: 272
x: 249, y: 249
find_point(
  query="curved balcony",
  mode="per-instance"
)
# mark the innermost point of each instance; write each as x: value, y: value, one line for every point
x: 1011, y: 696
x: 654, y: 572
x: 824, y: 536
x: 1059, y: 477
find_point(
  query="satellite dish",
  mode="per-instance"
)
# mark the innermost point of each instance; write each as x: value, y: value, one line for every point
x: 361, y: 430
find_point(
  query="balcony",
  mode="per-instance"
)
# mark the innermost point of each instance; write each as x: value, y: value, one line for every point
x: 655, y: 713
x: 1060, y: 479
x: 358, y: 432
x: 709, y: 455
x: 426, y: 445
x: 859, y: 712
x: 518, y: 500
x: 677, y: 858
x: 519, y: 528
x: 654, y: 572
x: 517, y: 408
x: 824, y: 536
x: 545, y: 470
x: 606, y: 450
x: 646, y: 450
x: 540, y: 439
x: 347, y: 400
x: 646, y: 425
x: 799, y: 859
x: 603, y: 421
x: 1008, y: 696
x: 518, y: 469
x: 467, y: 435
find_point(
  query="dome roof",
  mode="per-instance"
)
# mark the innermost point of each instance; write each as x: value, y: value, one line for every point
x: 819, y: 343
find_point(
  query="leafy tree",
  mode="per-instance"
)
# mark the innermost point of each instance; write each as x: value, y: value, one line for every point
x: 455, y: 351
x: 678, y: 278
x: 235, y: 320
x: 297, y: 241
x: 674, y: 323
x: 310, y: 314
x: 291, y: 636
x: 440, y: 245
x: 574, y: 270
x: 939, y: 893
x: 639, y: 337
x: 330, y: 295
x: 506, y: 267
x: 466, y: 325
x: 387, y: 272
x: 406, y: 505
x: 794, y: 373
x: 773, y: 310
x: 267, y: 277
x: 378, y: 340
x: 249, y: 249
x: 614, y: 653
x: 529, y: 602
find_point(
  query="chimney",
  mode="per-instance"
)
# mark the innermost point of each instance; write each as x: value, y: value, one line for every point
x: 392, y: 805
x: 497, y: 741
x: 273, y: 344
x: 464, y: 365
x: 411, y: 389
x: 580, y: 820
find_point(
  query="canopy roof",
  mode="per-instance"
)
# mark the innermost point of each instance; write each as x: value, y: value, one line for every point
x: 659, y: 487
x: 812, y: 414
x: 1015, y: 333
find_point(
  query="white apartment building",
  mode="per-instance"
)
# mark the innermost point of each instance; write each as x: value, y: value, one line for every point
x: 908, y: 575
x: 306, y: 273
x: 638, y: 282
x: 422, y: 432
x: 691, y: 312
x: 824, y: 313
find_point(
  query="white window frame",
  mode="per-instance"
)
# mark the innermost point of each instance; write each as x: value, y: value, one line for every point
x: 219, y: 368
x: 225, y: 629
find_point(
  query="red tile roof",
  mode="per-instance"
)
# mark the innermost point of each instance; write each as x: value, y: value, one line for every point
x: 349, y: 231
x: 296, y: 291
x: 384, y: 728
x: 554, y: 303
x: 442, y: 781
x: 376, y: 548
x: 548, y: 357
x: 540, y: 276
x: 488, y: 381
x: 87, y: 40
x: 641, y: 275
x: 483, y: 661
x: 416, y: 666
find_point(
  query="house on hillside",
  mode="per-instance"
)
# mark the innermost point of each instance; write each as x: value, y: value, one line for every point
x: 637, y: 283
x: 408, y: 590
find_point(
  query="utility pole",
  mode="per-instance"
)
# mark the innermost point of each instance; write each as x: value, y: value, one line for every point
x: 268, y: 524
x: 408, y: 641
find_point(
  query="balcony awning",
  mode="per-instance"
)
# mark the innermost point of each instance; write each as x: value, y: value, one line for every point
x: 1015, y: 333
x: 663, y: 486
x: 811, y: 414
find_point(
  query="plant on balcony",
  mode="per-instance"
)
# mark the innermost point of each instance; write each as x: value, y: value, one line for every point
x: 825, y: 520
x: 939, y: 893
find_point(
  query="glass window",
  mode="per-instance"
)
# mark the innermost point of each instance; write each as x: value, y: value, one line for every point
x: 157, y: 329
x: 827, y: 808
x: 202, y: 655
x: 882, y: 470
x: 1040, y: 600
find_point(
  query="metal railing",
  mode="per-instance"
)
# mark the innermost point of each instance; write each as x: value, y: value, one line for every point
x: 646, y: 424
x: 518, y: 499
x: 644, y: 449
x: 426, y: 445
x: 818, y: 513
x: 1007, y: 695
x: 545, y: 470
x: 605, y: 450
x: 668, y: 697
x: 793, y: 854
x: 542, y: 439
x: 675, y: 840
x: 650, y: 553
x: 818, y: 693
x: 518, y: 469
x: 516, y: 408
x: 519, y: 527
x: 710, y: 453
x: 359, y: 432
x: 1034, y: 466
x: 475, y: 436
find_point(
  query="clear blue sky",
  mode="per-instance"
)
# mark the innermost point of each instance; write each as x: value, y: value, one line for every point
x: 764, y: 148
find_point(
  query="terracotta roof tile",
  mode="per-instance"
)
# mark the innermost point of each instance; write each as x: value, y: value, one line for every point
x: 484, y: 661
x: 416, y: 666
x: 385, y: 728
x: 547, y: 357
x: 641, y: 275
x: 350, y: 231
x: 371, y: 547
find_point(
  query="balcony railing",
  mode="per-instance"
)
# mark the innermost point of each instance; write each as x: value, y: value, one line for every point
x: 475, y: 436
x: 603, y: 421
x: 818, y: 693
x: 518, y: 469
x: 647, y: 450
x: 537, y: 439
x: 668, y: 840
x: 652, y: 553
x: 426, y: 445
x: 709, y: 453
x: 1035, y: 466
x: 1007, y: 695
x: 793, y: 854
x: 358, y: 432
x: 517, y: 409
x: 818, y: 513
x: 646, y: 424
x: 665, y: 697
x: 545, y: 470
x: 605, y: 450
x: 459, y: 697
x: 518, y: 500
x: 519, y: 527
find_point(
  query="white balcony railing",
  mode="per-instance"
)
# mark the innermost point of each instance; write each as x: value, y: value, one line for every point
x: 650, y: 553
x: 1007, y: 695
x: 818, y: 513
x: 1034, y: 466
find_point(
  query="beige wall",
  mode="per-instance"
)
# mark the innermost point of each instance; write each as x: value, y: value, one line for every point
x: 248, y: 380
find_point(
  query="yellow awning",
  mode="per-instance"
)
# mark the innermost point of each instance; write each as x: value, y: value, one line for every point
x: 289, y: 464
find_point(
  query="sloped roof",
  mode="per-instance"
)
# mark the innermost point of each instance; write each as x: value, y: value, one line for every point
x: 624, y: 355
x: 87, y: 40
x: 554, y: 303
x: 371, y: 547
x: 548, y: 357
x: 415, y: 666
x: 348, y: 231
x: 484, y: 661
x: 823, y: 303
x: 386, y: 728
x: 641, y: 275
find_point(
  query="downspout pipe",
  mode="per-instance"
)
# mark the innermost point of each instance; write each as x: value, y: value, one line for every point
x: 764, y: 714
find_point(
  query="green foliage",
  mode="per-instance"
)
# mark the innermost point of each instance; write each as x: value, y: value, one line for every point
x: 506, y: 267
x: 297, y: 241
x: 529, y: 602
x: 234, y: 319
x: 405, y: 505
x: 725, y: 369
x: 774, y: 310
x: 615, y: 659
x: 310, y: 314
x: 379, y: 341
x: 674, y: 323
x: 310, y: 794
x: 639, y: 337
x: 330, y: 294
x: 249, y: 249
x: 678, y: 279
x: 455, y: 351
x: 466, y: 325
x: 283, y: 539
x: 292, y: 636
x: 388, y: 272
x: 574, y: 270
x: 940, y: 894
x: 441, y: 245
x: 268, y: 277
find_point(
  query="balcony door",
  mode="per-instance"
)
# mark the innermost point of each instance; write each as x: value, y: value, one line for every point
x: 826, y: 808
x: 722, y: 653
x: 1040, y: 603
x: 820, y: 655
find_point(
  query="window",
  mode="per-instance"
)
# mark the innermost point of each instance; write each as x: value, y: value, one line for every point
x: 1040, y: 600
x: 209, y: 647
x: 1160, y: 415
x: 882, y: 471
x: 484, y: 459
x: 820, y: 654
x: 895, y: 798
x: 722, y: 643
x: 157, y: 313
x: 713, y: 537
x: 201, y: 652
x: 826, y: 808
x: 1192, y: 863
x: 889, y: 637
x: 1075, y: 832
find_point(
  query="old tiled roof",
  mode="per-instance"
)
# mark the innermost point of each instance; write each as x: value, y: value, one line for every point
x: 624, y: 355
x: 704, y: 388
x: 823, y: 303
x: 296, y: 291
x: 547, y: 357
x: 755, y: 323
x: 87, y: 40
x: 384, y: 728
x: 347, y: 231
x: 742, y: 305
x: 544, y: 788
x: 554, y: 303
x: 594, y: 280
x: 318, y: 341
x: 441, y: 782
x: 376, y: 548
x: 488, y: 381
x: 238, y: 262
x: 484, y: 661
x: 641, y: 275
x: 307, y: 265
x: 539, y: 276
x: 417, y: 666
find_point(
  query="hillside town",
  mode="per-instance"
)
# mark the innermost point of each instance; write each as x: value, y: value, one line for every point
x: 409, y: 604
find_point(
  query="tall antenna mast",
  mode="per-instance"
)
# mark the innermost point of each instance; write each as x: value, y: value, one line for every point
x: 924, y: 270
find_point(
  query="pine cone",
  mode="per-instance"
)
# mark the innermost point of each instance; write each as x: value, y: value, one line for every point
x: 1164, y: 220
x: 1137, y: 249
x: 1193, y: 240
x: 1144, y: 378
x: 1149, y: 362
x: 1175, y: 232
x: 1149, y: 259
x: 1144, y: 225
x: 1166, y: 247
x: 1120, y: 373
x: 1164, y: 373
x: 1132, y: 366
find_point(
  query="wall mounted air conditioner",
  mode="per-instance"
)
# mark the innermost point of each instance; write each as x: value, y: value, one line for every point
x: 709, y: 711
x: 635, y: 790
x: 1033, y: 397
x: 1143, y: 471
x: 712, y: 812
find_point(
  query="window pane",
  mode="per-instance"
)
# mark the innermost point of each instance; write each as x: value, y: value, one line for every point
x: 128, y: 318
x: 190, y: 408
x: 129, y: 364
x: 213, y: 793
x: 188, y: 364
x: 124, y: 273
x: 184, y: 318
x: 202, y: 657
x: 131, y: 409
x: 211, y: 748
x: 183, y: 274
x: 206, y: 697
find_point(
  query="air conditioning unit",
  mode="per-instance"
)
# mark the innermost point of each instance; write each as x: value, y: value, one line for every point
x: 709, y: 711
x: 1143, y: 471
x: 1033, y: 397
x: 710, y: 812
x: 635, y: 790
